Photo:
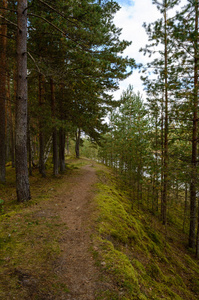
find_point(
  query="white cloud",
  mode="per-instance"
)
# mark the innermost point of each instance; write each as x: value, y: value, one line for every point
x: 130, y: 18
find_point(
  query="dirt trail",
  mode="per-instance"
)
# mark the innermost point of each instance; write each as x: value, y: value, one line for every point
x: 76, y: 265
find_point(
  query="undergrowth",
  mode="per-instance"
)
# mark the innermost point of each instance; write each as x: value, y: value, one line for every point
x: 29, y: 239
x: 136, y: 253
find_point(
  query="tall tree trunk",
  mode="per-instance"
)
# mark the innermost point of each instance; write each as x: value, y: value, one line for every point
x: 9, y: 114
x: 14, y: 116
x: 22, y: 180
x: 3, y: 46
x: 194, y: 142
x: 68, y: 145
x: 29, y: 148
x: 185, y: 207
x: 62, y: 135
x: 41, y: 125
x: 193, y: 183
x: 77, y: 144
x: 165, y: 169
x: 8, y: 120
x: 162, y: 156
x: 156, y: 166
x: 55, y: 146
x: 62, y: 138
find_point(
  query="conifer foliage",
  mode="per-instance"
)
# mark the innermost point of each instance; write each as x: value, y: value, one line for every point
x: 69, y: 55
x: 160, y: 160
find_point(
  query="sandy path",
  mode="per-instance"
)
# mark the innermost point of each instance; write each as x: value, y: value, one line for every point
x: 76, y: 265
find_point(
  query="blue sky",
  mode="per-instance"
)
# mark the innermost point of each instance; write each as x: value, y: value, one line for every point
x: 126, y: 2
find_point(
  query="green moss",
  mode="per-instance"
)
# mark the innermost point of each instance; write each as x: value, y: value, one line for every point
x: 114, y: 218
x: 139, y: 266
x: 166, y: 291
x: 118, y: 265
x: 155, y: 272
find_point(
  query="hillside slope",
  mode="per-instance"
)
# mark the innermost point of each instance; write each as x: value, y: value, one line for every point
x: 143, y: 260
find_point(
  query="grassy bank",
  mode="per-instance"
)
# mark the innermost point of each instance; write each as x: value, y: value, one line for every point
x: 140, y: 259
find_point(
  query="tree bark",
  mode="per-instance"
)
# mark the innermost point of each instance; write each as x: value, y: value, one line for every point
x: 193, y: 183
x: 41, y: 134
x: 22, y: 180
x: 62, y: 141
x: 29, y: 148
x: 55, y: 150
x: 194, y: 180
x: 185, y: 207
x: 10, y: 127
x: 62, y: 134
x: 68, y: 145
x: 162, y: 156
x: 77, y: 144
x: 165, y: 169
x: 3, y: 46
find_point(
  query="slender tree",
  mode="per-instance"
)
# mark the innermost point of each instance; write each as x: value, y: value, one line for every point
x: 41, y: 127
x: 187, y: 53
x: 160, y: 34
x: 55, y: 137
x: 3, y: 73
x: 22, y: 180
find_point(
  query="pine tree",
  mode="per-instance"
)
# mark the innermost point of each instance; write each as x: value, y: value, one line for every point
x: 22, y: 180
x: 186, y: 37
x: 3, y: 74
x: 159, y: 34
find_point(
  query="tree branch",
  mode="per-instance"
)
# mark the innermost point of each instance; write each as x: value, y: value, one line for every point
x: 34, y: 62
x: 8, y: 37
x: 60, y: 30
x: 58, y: 12
x: 13, y: 10
x: 8, y: 21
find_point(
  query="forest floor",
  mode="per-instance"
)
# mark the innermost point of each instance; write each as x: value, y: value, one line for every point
x: 80, y: 239
x: 49, y: 240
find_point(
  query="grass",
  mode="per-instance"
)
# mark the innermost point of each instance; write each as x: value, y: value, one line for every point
x: 29, y: 239
x: 136, y: 252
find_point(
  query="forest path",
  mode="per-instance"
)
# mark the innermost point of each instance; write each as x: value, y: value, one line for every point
x: 76, y: 265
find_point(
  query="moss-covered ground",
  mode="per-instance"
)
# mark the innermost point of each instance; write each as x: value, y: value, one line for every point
x: 137, y: 254
x: 29, y: 239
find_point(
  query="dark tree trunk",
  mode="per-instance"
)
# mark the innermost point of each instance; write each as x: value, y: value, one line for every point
x: 55, y: 145
x: 41, y: 133
x: 62, y: 135
x: 8, y: 121
x: 185, y: 207
x: 77, y: 144
x: 62, y: 149
x: 156, y: 167
x: 10, y: 127
x: 68, y: 145
x: 22, y: 180
x: 194, y: 181
x: 13, y: 117
x: 29, y: 149
x: 165, y: 169
x: 3, y: 44
x: 162, y: 157
x: 192, y: 228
